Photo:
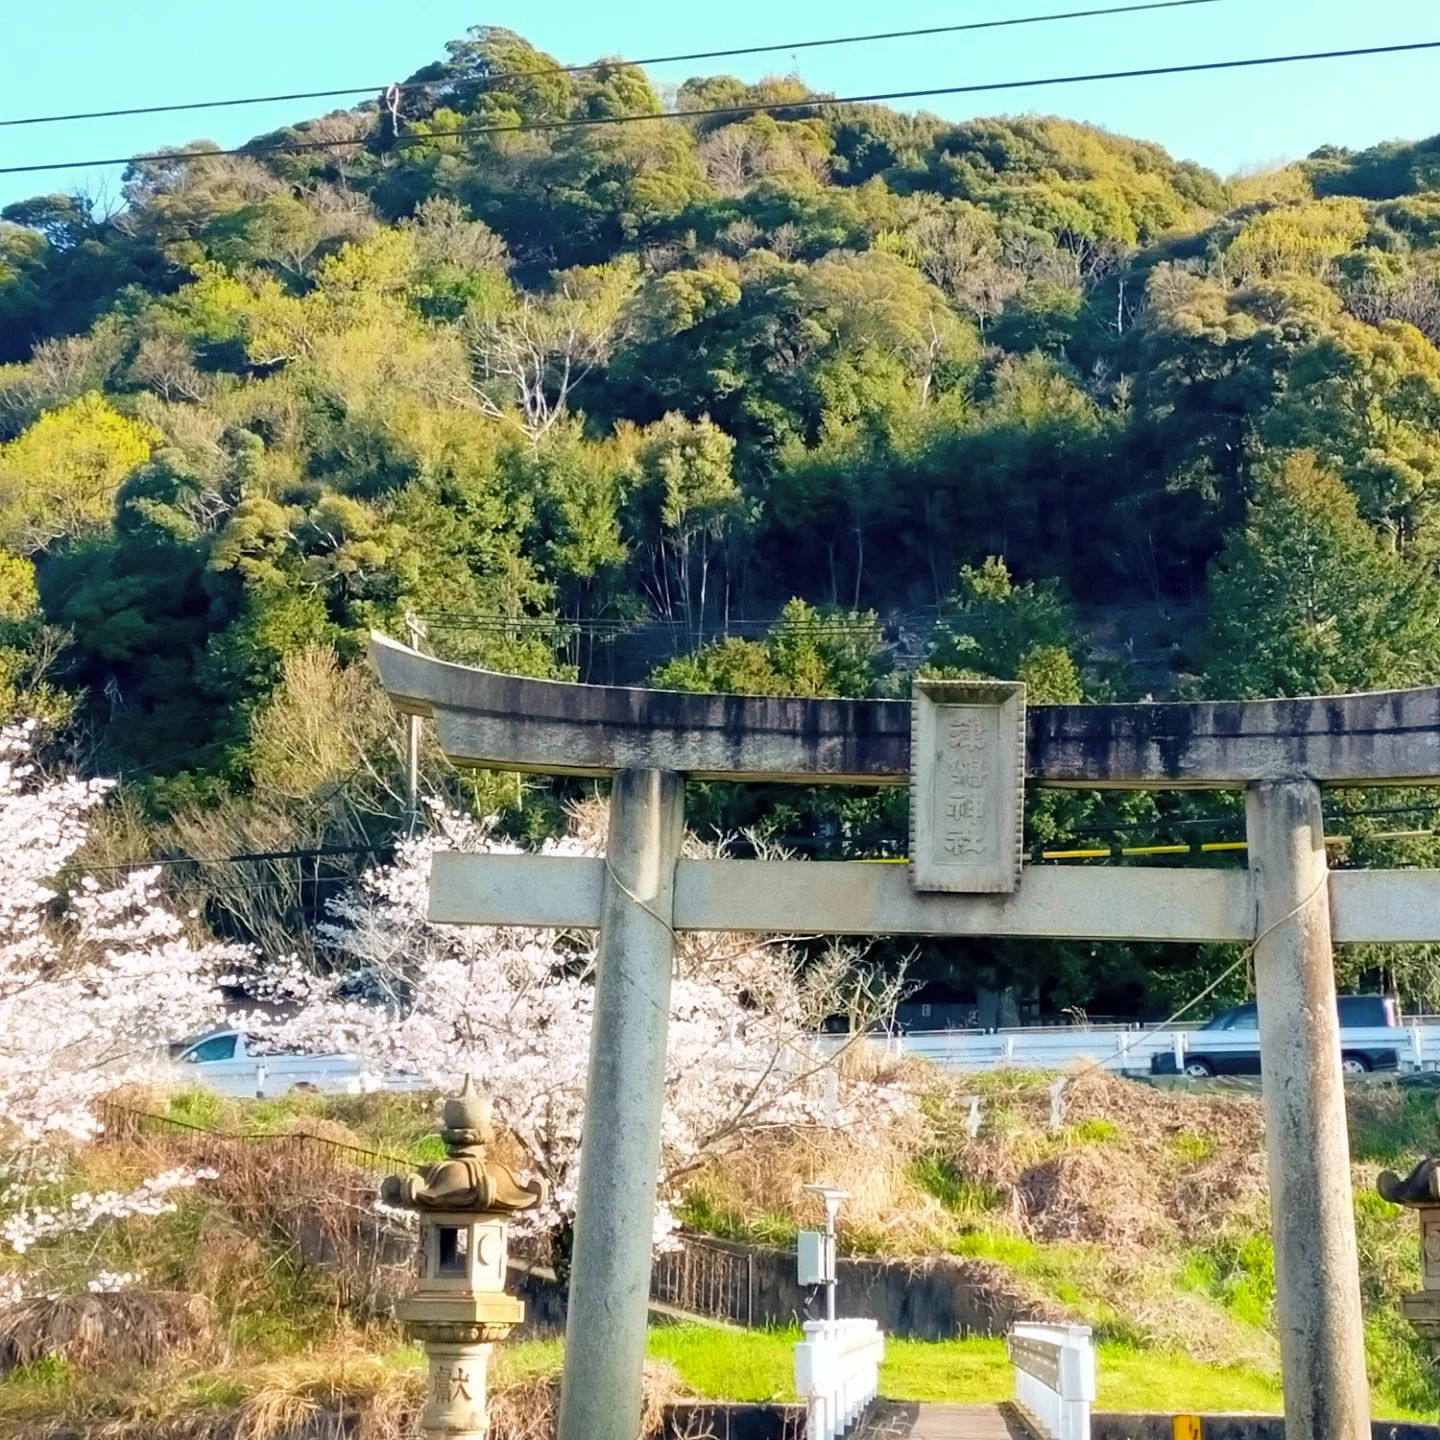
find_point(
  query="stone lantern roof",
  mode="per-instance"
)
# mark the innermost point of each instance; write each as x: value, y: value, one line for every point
x: 1419, y: 1190
x: 466, y: 1182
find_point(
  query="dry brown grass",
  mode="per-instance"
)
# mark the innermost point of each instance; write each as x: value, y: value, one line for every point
x: 1133, y: 1167
x: 1102, y: 1213
x: 1090, y: 1194
x: 527, y: 1409
x: 342, y: 1392
x: 346, y: 1393
x: 287, y: 1197
x: 128, y: 1329
x: 768, y: 1178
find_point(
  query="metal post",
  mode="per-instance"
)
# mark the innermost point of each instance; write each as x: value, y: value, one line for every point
x: 600, y: 1396
x: 416, y: 634
x: 1057, y: 1104
x: 412, y: 767
x: 830, y: 1259
x: 1317, y: 1282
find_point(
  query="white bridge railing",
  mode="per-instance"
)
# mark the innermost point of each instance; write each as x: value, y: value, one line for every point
x: 1054, y: 1377
x: 837, y: 1373
x: 1116, y: 1048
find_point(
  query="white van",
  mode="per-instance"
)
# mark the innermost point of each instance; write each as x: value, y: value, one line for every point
x: 224, y: 1062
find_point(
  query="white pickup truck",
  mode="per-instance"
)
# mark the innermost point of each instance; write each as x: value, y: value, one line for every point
x: 225, y: 1062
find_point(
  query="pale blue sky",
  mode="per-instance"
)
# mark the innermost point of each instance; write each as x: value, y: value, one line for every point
x: 92, y: 54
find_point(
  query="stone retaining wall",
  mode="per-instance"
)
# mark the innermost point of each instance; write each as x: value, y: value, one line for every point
x: 938, y: 1298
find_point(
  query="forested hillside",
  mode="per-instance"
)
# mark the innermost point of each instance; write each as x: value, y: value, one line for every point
x: 788, y: 399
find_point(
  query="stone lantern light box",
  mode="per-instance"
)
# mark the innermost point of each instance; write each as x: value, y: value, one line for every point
x: 461, y: 1252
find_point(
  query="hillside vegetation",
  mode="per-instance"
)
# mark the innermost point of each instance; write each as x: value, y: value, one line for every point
x: 790, y: 401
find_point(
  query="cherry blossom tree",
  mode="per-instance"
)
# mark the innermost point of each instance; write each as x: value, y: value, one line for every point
x: 514, y: 1007
x: 95, y: 980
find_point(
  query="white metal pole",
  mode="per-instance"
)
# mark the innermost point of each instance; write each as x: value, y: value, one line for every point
x: 412, y: 740
x: 831, y: 1257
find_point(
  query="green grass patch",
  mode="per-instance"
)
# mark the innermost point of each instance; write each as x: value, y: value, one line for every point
x: 1237, y: 1271
x: 701, y: 1213
x: 1191, y: 1148
x: 939, y: 1176
x: 1068, y: 1272
x: 955, y: 1372
x: 1392, y: 1127
x: 220, y: 1392
x: 401, y: 1126
x: 198, y: 1107
x: 1021, y: 1255
x: 1133, y: 1379
x: 753, y: 1365
x: 1096, y: 1131
x: 758, y: 1365
x: 50, y: 1372
x: 522, y: 1360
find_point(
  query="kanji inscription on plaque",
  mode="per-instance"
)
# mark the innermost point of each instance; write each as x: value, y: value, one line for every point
x: 967, y: 785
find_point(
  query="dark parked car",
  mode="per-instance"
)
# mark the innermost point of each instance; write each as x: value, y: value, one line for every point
x: 1230, y: 1043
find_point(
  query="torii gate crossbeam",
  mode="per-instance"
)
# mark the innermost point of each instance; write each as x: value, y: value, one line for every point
x: 1287, y: 904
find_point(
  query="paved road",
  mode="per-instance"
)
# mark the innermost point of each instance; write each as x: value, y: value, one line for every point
x: 892, y: 1420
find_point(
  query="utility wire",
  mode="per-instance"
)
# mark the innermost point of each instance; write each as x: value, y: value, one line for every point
x: 814, y: 102
x: 319, y: 852
x: 458, y: 82
x: 897, y: 838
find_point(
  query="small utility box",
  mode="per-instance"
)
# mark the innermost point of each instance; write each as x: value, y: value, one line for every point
x: 816, y: 1253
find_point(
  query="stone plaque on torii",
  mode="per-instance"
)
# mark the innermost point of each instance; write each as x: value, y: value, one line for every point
x: 971, y: 748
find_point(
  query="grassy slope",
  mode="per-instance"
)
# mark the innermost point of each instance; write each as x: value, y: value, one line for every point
x: 1145, y: 1216
x: 757, y: 1365
x: 1199, y: 1291
x: 1207, y: 1292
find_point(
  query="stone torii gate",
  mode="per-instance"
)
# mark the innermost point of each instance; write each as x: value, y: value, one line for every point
x: 973, y: 748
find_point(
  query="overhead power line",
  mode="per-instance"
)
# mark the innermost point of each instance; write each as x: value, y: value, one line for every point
x: 315, y: 852
x: 814, y: 102
x: 456, y: 82
x: 890, y: 839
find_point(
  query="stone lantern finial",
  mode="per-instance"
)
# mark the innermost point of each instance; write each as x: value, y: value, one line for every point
x: 458, y: 1308
x: 467, y: 1117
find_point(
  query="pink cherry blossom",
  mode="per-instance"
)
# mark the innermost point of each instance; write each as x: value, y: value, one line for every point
x: 513, y: 1007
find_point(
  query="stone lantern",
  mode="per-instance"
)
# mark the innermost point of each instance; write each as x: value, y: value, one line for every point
x: 1420, y: 1191
x: 459, y: 1308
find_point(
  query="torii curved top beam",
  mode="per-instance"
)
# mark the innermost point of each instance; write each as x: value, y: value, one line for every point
x: 512, y: 722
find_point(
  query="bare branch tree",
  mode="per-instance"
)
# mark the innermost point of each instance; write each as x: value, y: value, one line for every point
x: 528, y: 362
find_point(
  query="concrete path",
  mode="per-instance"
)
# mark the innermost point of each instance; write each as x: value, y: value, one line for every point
x: 893, y: 1420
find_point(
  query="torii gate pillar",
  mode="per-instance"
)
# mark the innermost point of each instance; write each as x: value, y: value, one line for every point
x: 1317, y: 1282
x: 609, y: 1310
